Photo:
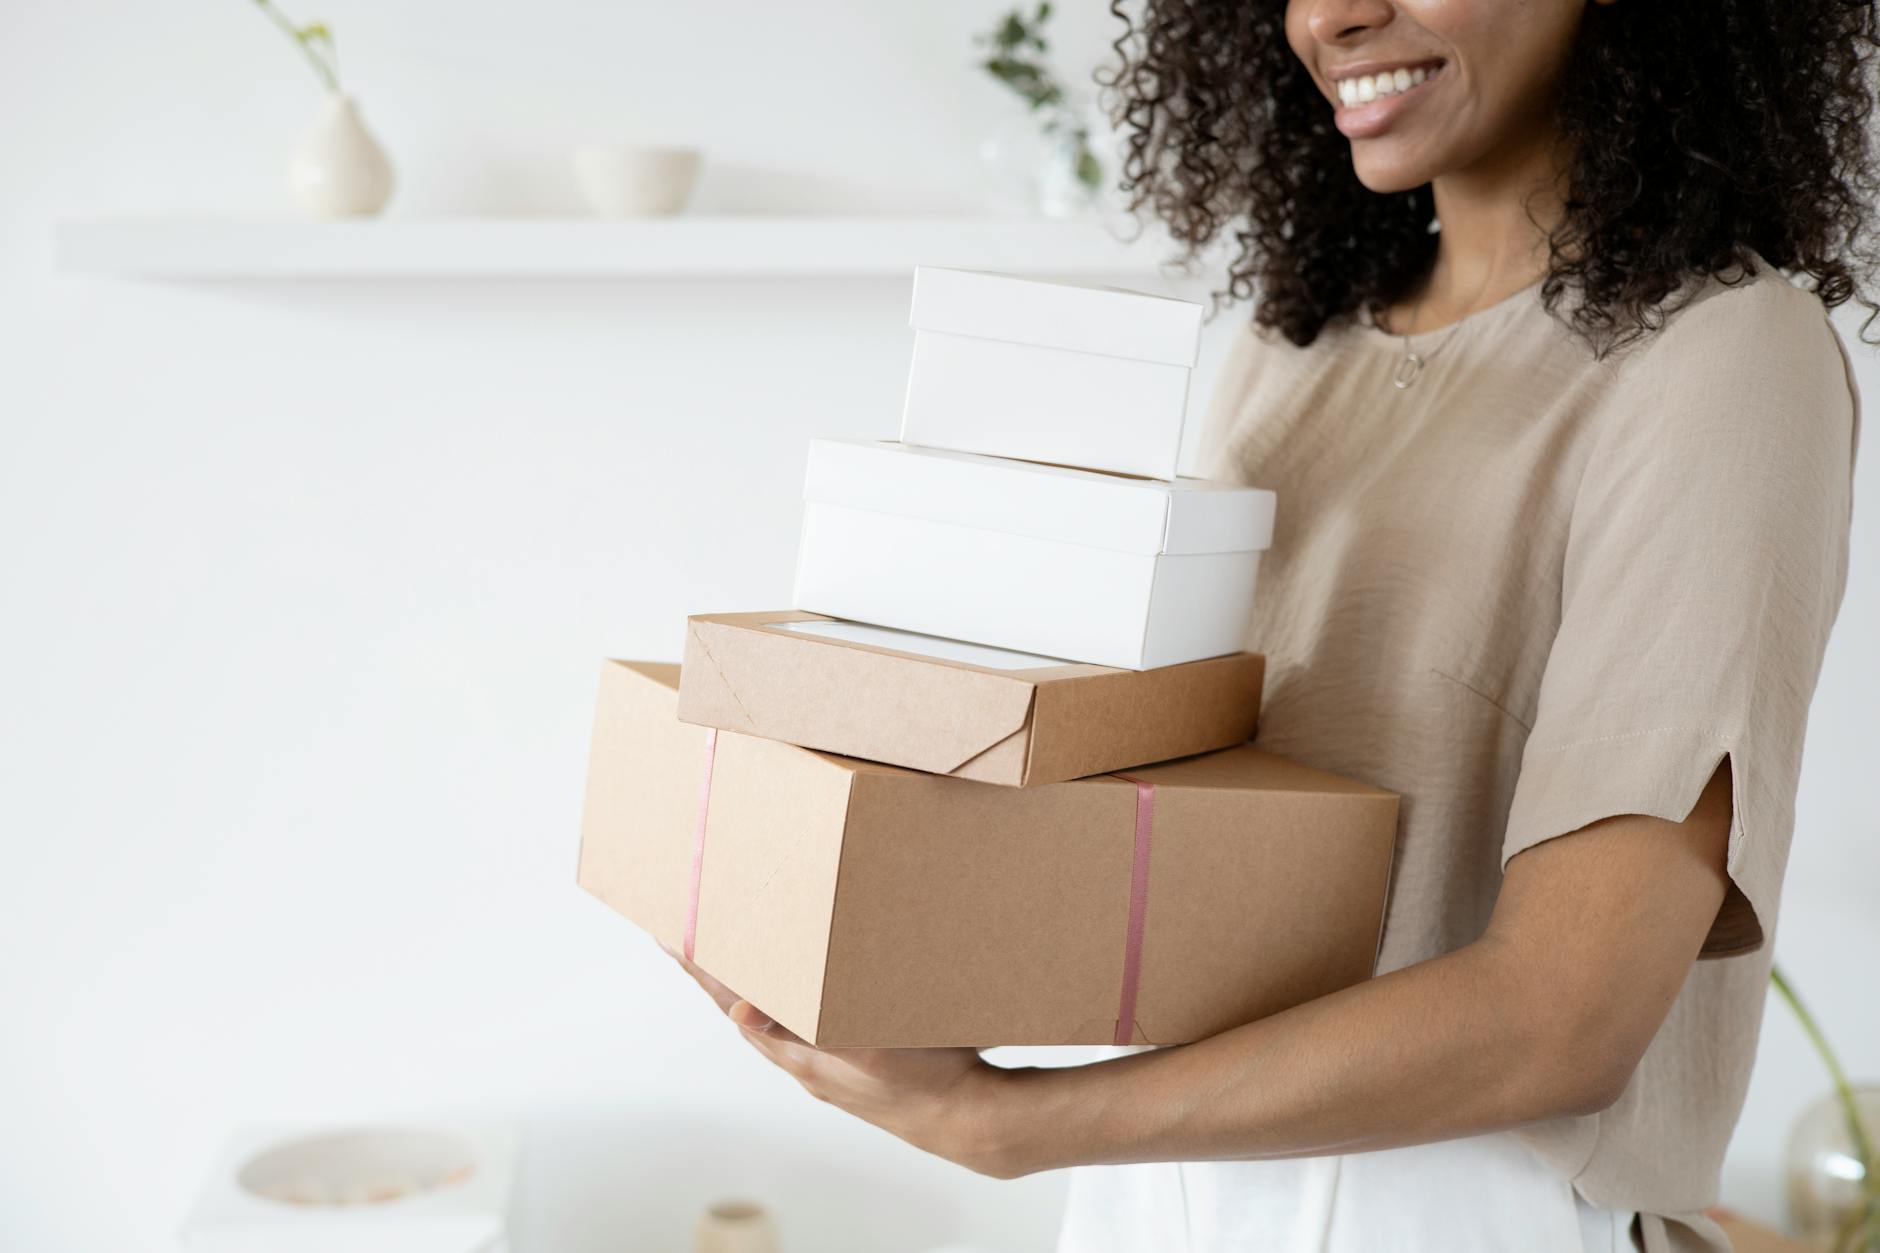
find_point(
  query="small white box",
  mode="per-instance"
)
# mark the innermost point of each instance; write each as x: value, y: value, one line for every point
x: 1090, y: 567
x: 1095, y: 377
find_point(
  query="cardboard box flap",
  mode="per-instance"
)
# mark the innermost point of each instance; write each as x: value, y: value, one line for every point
x: 745, y: 679
x: 1057, y: 503
x: 1105, y: 320
x: 1082, y: 729
x: 663, y: 673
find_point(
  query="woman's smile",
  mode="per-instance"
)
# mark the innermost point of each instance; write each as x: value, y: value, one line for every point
x: 1371, y: 96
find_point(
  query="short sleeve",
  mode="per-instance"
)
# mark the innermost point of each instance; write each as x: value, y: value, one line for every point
x: 1705, y: 562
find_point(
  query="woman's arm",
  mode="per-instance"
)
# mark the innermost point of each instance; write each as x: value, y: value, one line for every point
x: 1547, y: 1014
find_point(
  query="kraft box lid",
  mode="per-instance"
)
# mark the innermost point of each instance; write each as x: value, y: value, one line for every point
x: 862, y: 904
x: 1109, y: 321
x: 947, y: 707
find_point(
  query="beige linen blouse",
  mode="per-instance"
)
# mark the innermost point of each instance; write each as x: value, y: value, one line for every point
x: 1534, y: 590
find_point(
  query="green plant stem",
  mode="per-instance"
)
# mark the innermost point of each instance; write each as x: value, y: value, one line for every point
x: 328, y: 75
x: 1843, y: 1090
x: 1850, y: 1110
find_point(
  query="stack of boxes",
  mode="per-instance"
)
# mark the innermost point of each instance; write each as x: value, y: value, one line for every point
x: 891, y: 816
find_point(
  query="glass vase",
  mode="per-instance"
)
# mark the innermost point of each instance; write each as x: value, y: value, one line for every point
x: 1049, y: 163
x: 1832, y: 1206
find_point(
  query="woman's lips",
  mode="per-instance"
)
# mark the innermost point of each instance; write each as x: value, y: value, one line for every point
x: 1374, y: 117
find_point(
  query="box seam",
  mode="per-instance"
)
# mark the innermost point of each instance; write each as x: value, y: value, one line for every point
x: 1148, y: 609
x: 986, y: 530
x: 731, y: 691
x: 1030, y: 723
x: 1181, y: 427
x: 1390, y: 875
x: 1187, y: 366
x: 835, y: 902
x: 907, y: 389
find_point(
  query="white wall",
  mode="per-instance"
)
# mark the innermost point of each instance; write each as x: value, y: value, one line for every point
x: 305, y: 586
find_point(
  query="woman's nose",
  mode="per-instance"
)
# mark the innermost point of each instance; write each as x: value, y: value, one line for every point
x: 1341, y: 21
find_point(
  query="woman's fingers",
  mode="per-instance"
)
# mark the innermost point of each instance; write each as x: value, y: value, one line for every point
x: 739, y: 1010
x: 723, y: 995
x: 750, y: 1017
x: 784, y: 1048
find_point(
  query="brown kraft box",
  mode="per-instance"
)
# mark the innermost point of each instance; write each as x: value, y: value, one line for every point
x: 862, y: 904
x: 752, y: 673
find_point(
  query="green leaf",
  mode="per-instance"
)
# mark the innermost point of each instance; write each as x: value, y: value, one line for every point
x: 1029, y: 80
x: 1089, y: 169
x: 1013, y: 42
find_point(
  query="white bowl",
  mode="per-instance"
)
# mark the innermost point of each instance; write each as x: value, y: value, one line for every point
x: 443, y: 1188
x: 364, y: 1167
x: 636, y: 182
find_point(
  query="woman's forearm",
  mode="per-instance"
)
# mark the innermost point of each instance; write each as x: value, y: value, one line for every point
x: 1443, y: 1049
x: 1545, y: 1015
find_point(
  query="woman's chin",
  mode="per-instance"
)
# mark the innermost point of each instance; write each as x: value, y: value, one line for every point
x: 1383, y: 166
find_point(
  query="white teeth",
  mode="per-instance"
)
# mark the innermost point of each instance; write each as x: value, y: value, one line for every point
x: 1369, y: 87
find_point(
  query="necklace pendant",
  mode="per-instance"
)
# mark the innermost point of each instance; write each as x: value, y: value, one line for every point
x: 1406, y: 371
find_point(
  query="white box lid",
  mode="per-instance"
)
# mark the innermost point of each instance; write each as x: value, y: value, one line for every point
x: 1106, y: 320
x: 1086, y: 507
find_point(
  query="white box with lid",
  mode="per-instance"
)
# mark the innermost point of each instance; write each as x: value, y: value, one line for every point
x: 1076, y: 564
x: 1094, y: 377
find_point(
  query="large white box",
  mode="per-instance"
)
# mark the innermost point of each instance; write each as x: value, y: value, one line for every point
x: 1089, y: 567
x: 1094, y: 377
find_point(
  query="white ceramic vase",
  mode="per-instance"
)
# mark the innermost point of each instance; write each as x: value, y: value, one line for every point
x: 339, y: 170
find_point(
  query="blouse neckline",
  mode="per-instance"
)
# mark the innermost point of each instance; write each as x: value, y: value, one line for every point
x: 1514, y: 300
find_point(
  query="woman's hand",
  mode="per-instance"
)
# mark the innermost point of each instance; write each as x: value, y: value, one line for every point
x: 947, y: 1101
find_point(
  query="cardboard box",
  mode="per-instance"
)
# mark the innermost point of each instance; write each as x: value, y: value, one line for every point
x: 1090, y: 567
x: 1081, y: 376
x: 951, y: 708
x: 863, y: 904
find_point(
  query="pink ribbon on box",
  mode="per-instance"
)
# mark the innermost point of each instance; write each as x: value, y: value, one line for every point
x: 1138, y: 907
x: 698, y: 842
x: 1138, y: 885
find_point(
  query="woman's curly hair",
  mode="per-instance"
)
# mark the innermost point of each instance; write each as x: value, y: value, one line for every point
x: 1699, y: 132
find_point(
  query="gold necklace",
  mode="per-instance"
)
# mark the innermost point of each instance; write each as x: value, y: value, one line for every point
x: 1412, y: 363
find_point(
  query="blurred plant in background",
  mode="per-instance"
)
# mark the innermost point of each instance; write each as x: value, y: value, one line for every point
x: 1014, y: 55
x: 1834, y: 1188
x: 315, y: 42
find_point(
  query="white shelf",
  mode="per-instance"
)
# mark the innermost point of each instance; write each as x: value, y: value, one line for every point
x: 445, y: 248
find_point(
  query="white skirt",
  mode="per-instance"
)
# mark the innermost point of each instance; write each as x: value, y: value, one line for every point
x: 1485, y: 1194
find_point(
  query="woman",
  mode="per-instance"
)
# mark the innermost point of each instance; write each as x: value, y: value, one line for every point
x: 1565, y: 499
